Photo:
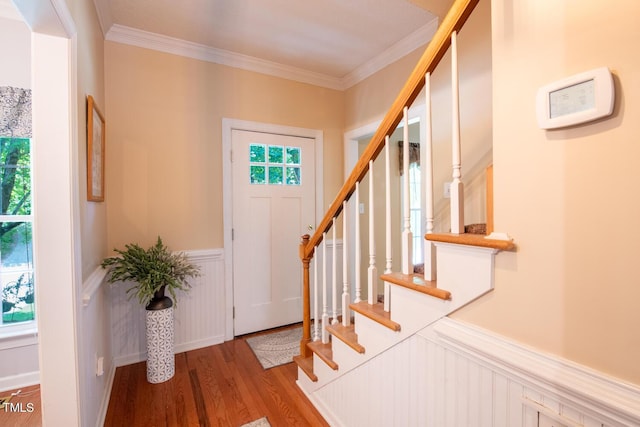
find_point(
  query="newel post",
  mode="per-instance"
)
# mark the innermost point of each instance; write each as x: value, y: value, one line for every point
x: 306, y: 298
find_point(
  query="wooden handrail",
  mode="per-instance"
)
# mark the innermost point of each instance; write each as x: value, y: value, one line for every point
x: 454, y: 21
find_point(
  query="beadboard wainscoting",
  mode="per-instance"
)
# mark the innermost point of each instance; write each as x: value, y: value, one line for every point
x: 94, y: 348
x: 453, y: 374
x: 199, y: 313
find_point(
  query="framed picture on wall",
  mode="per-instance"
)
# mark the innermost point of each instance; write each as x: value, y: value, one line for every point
x: 95, y: 152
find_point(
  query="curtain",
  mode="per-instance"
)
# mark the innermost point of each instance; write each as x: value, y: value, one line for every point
x: 15, y: 112
x: 414, y: 154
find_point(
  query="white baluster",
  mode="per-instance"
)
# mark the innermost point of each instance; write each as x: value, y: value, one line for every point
x: 334, y: 281
x: 388, y: 260
x: 316, y: 327
x: 407, y: 236
x: 346, y: 315
x: 325, y: 306
x: 358, y: 260
x: 429, y: 248
x: 457, y: 189
x: 372, y: 272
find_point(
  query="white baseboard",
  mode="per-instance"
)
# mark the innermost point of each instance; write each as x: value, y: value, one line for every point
x: 17, y: 381
x: 193, y: 345
x: 104, y: 405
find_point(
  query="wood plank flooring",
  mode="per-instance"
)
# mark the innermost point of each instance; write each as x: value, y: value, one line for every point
x: 221, y: 385
x: 25, y: 410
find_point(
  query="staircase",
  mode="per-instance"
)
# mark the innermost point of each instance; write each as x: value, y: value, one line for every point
x: 458, y: 266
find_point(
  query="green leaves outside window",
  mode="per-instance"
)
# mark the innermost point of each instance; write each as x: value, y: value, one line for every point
x: 274, y: 165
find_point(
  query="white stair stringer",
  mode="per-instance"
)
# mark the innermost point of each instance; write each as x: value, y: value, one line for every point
x: 466, y: 271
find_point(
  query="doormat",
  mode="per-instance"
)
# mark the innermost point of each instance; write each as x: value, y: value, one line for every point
x: 262, y: 422
x: 276, y: 348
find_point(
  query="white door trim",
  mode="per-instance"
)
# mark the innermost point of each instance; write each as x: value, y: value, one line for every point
x: 227, y: 189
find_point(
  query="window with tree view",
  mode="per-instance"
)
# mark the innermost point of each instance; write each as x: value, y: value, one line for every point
x: 16, y: 248
x: 274, y: 164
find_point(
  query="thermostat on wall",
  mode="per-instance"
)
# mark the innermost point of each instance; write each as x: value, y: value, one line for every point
x: 577, y: 99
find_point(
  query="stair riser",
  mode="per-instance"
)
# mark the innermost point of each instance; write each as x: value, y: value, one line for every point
x: 323, y: 371
x: 346, y: 357
x: 468, y: 282
x: 414, y: 310
x: 305, y: 383
x: 372, y: 336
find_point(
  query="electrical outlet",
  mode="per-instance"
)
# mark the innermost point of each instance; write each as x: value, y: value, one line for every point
x: 99, y: 366
x: 447, y: 190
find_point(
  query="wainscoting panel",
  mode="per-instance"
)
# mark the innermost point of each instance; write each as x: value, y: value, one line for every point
x: 451, y: 374
x: 199, y: 314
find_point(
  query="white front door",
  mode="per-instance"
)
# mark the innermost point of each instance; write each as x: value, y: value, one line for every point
x: 273, y: 205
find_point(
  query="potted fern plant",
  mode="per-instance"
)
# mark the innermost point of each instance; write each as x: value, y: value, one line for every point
x: 151, y: 272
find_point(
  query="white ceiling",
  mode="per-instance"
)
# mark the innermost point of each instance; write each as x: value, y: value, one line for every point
x: 332, y: 43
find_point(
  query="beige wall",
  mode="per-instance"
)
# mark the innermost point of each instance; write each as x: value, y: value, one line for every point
x: 164, y: 171
x: 368, y: 101
x: 568, y: 197
x: 93, y: 215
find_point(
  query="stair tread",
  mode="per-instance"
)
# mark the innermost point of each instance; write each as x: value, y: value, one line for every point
x: 471, y: 240
x: 306, y: 364
x: 376, y: 313
x: 324, y: 352
x: 347, y: 335
x: 417, y: 283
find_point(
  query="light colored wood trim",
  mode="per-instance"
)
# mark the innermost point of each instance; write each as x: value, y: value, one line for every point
x: 471, y: 240
x: 436, y: 49
x: 306, y: 299
x: 324, y: 352
x: 489, y: 199
x: 306, y: 364
x: 347, y: 335
x: 376, y: 313
x: 417, y: 283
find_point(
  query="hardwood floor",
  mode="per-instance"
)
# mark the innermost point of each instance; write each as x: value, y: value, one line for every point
x: 221, y: 385
x: 23, y: 409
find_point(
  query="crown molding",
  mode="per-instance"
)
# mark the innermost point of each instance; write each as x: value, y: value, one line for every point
x: 131, y: 36
x: 144, y: 39
x: 405, y: 46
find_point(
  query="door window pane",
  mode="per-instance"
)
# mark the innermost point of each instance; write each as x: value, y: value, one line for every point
x: 257, y: 175
x: 275, y: 175
x: 275, y: 154
x: 293, y: 155
x: 293, y: 176
x: 257, y: 153
x: 274, y: 164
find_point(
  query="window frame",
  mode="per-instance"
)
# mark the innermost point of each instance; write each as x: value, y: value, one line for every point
x: 9, y: 332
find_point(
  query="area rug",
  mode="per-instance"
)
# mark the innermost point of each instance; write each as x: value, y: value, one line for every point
x: 276, y: 348
x: 262, y: 422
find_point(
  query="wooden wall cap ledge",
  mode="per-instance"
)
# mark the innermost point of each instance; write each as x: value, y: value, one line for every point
x: 495, y: 241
